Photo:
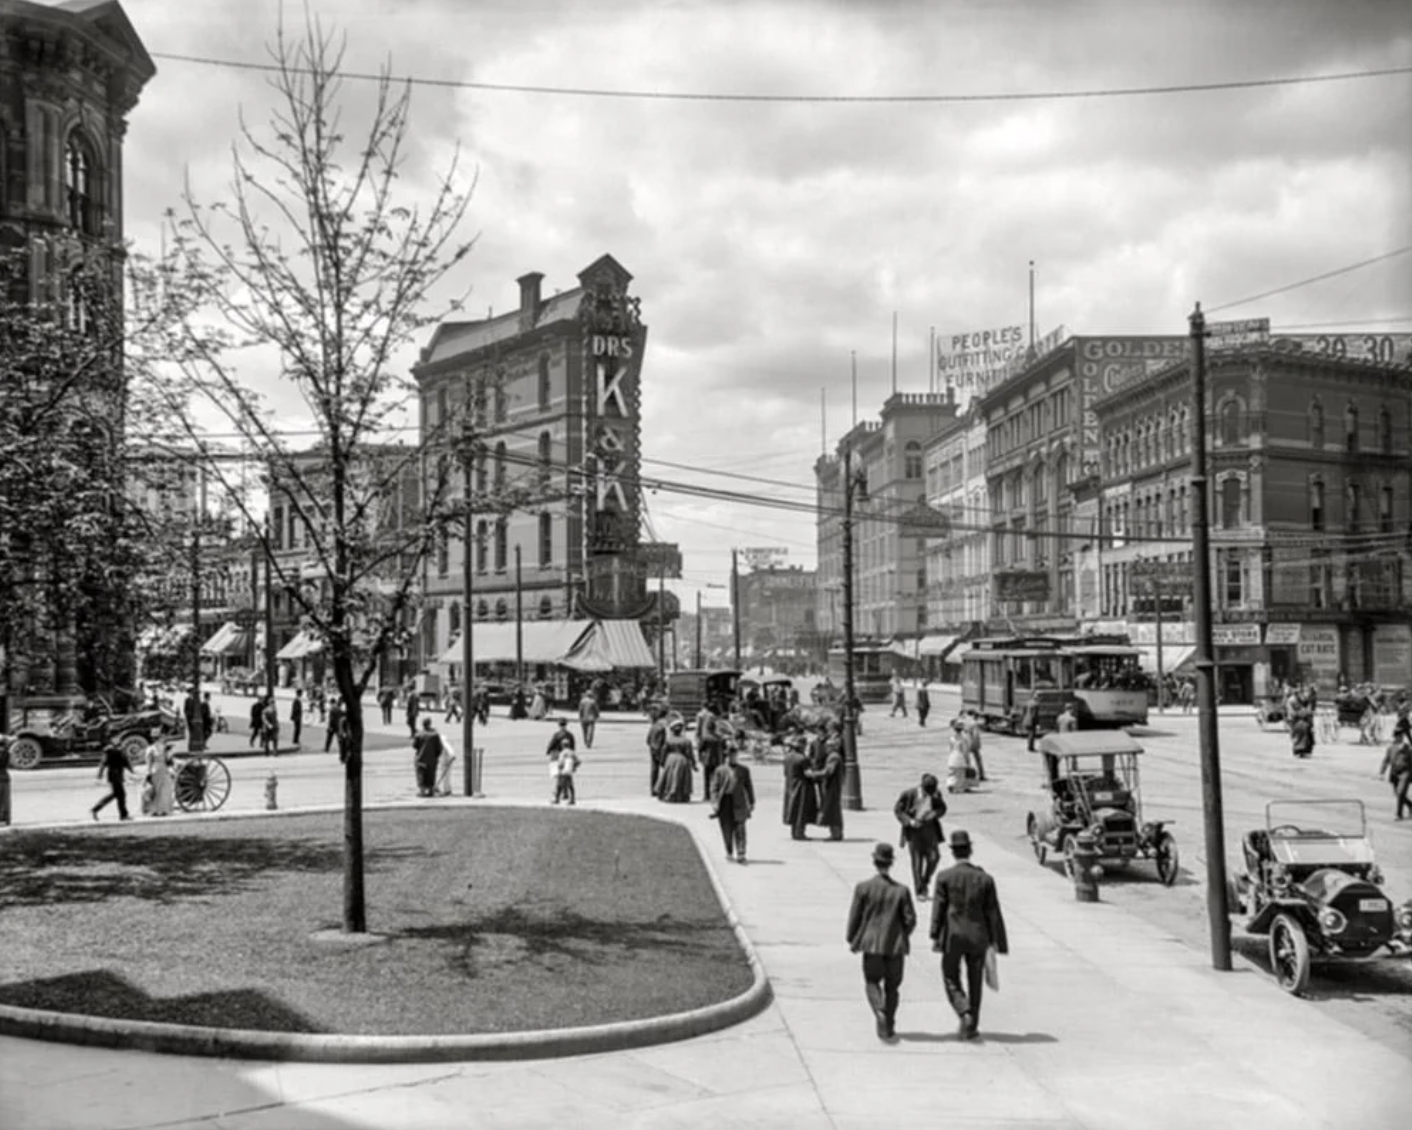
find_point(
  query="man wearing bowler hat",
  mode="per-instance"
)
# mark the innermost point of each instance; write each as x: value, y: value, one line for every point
x: 966, y: 921
x: 880, y: 922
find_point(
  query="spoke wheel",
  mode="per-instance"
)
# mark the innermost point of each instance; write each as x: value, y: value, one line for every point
x: 1070, y: 848
x: 1168, y: 859
x: 1041, y: 850
x: 26, y: 753
x: 202, y: 785
x: 1289, y: 954
x: 133, y: 747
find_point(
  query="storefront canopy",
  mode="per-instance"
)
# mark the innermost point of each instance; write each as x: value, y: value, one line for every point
x: 230, y: 639
x: 616, y: 643
x: 935, y: 645
x: 301, y: 646
x: 540, y: 641
x: 1174, y: 656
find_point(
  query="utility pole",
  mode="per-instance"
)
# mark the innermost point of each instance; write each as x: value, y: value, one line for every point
x: 269, y: 617
x: 1161, y: 675
x: 195, y: 732
x: 1217, y: 910
x: 662, y: 621
x: 468, y: 542
x: 735, y: 603
x: 519, y: 620
x: 697, y: 664
x: 852, y: 780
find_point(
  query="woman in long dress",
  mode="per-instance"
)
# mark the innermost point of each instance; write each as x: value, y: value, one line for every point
x: 539, y: 707
x: 674, y: 782
x: 161, y: 778
x: 958, y: 760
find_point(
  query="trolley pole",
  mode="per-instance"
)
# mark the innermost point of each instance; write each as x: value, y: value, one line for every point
x: 852, y: 779
x: 1217, y: 910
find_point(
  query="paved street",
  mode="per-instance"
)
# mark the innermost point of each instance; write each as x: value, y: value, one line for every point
x: 1109, y: 1015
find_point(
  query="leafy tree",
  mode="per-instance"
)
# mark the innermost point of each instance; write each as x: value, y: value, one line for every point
x: 316, y: 271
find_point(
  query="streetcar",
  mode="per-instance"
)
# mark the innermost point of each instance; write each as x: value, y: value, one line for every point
x: 874, y: 664
x: 1110, y: 681
x: 1001, y: 679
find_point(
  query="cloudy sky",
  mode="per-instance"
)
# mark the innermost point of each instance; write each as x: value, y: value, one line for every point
x: 768, y: 240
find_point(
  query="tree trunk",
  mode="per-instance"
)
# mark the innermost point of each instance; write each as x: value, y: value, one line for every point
x: 355, y: 905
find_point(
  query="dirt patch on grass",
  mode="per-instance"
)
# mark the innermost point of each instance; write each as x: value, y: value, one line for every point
x: 497, y: 920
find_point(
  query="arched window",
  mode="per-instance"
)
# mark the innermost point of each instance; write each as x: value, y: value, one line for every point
x: 1385, y: 510
x: 1350, y: 427
x: 1385, y: 430
x: 453, y: 620
x: 545, y: 442
x: 500, y: 466
x: 1316, y: 503
x: 502, y: 543
x: 482, y: 472
x: 1230, y: 504
x: 482, y: 537
x: 80, y: 183
x: 546, y: 386
x: 502, y: 398
x: 502, y: 609
x: 482, y: 609
x: 1316, y: 423
x: 1061, y: 474
x: 78, y: 312
x: 546, y: 540
x: 1038, y: 487
x: 1230, y: 423
x: 912, y: 460
x: 546, y: 608
x: 1353, y: 503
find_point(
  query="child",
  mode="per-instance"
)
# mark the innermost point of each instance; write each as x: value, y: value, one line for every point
x: 564, y: 780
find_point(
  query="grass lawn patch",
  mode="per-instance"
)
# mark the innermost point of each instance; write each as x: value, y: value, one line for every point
x: 496, y: 920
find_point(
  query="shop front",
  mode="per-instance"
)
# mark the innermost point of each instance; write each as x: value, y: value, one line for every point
x: 1392, y: 655
x: 1241, y: 668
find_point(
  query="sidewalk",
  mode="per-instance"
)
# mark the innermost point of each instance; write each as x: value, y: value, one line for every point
x: 1102, y: 1022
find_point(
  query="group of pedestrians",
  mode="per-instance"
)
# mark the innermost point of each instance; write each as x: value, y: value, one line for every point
x: 158, y: 794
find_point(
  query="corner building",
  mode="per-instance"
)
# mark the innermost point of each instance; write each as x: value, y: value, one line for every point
x: 553, y: 393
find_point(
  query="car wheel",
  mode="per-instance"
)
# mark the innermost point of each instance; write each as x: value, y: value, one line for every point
x: 1168, y: 859
x: 1041, y: 850
x: 26, y: 753
x: 1070, y: 848
x: 133, y: 746
x: 1289, y: 954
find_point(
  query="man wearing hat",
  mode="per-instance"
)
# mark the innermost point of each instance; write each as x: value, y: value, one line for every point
x: 966, y: 921
x: 880, y: 922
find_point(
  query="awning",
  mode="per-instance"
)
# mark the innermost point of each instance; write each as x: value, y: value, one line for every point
x: 936, y: 645
x: 1174, y: 656
x: 301, y: 646
x: 905, y: 648
x: 611, y: 644
x: 541, y: 641
x: 229, y: 639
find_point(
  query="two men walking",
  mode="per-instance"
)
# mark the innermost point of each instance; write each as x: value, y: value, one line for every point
x: 966, y: 924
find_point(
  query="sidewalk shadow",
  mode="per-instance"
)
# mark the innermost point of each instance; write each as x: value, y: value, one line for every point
x: 985, y: 1037
x: 1347, y: 981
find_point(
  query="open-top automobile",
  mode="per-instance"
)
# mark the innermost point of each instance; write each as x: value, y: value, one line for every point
x: 82, y: 733
x: 1312, y: 885
x: 1094, y: 786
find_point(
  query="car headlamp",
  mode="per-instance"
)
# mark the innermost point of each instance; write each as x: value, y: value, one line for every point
x: 1332, y: 920
x: 1375, y: 875
x: 1279, y: 877
x: 1404, y: 918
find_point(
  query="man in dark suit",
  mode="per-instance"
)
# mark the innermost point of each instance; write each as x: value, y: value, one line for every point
x: 880, y: 922
x: 966, y: 921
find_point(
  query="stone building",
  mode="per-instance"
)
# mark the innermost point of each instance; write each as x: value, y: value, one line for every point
x: 1309, y: 513
x: 70, y: 74
x: 778, y: 606
x: 554, y: 394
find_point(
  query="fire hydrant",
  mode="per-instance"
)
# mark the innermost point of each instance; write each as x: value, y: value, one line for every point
x: 271, y: 792
x: 1084, y: 869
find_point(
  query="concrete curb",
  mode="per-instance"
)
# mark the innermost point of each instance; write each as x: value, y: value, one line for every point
x: 240, y: 1043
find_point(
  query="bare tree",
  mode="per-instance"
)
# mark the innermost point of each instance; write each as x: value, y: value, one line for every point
x: 321, y: 262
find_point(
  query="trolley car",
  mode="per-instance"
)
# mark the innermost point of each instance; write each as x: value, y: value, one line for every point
x: 1110, y: 681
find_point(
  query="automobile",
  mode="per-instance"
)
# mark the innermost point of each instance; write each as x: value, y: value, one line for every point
x: 1043, y: 709
x: 1312, y: 885
x: 83, y: 732
x: 689, y: 691
x: 1093, y: 785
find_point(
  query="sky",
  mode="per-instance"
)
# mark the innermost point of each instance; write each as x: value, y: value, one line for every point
x: 771, y: 241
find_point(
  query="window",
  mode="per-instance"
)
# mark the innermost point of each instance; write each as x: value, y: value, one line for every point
x: 502, y: 541
x: 480, y: 402
x: 545, y: 442
x: 546, y: 540
x: 443, y: 555
x: 1353, y: 500
x: 1234, y: 575
x: 546, y: 608
x: 454, y: 620
x: 441, y: 406
x: 502, y: 609
x: 500, y: 466
x: 1230, y: 423
x: 546, y: 386
x: 1316, y: 504
x: 912, y: 460
x: 502, y: 398
x: 78, y: 315
x: 482, y: 609
x: 482, y: 537
x: 1385, y: 510
x: 1350, y: 427
x: 482, y: 472
x: 1320, y: 578
x: 1316, y: 424
x: 277, y: 528
x: 1230, y: 504
x: 1385, y: 430
x: 79, y: 187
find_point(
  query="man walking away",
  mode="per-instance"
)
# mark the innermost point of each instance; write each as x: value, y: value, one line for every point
x: 257, y: 721
x: 335, y: 723
x: 588, y: 717
x: 880, y: 922
x: 387, y: 699
x: 919, y: 810
x: 899, y: 698
x: 924, y: 704
x: 296, y: 716
x: 966, y: 921
x: 735, y: 801
x: 414, y: 705
x: 1397, y: 765
x: 269, y: 729
x: 708, y: 747
x: 426, y: 751
x: 208, y: 717
x: 114, y: 766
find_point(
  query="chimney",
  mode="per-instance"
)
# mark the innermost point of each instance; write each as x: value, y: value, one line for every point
x: 529, y: 299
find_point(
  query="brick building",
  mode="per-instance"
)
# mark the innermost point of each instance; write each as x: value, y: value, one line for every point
x: 778, y: 607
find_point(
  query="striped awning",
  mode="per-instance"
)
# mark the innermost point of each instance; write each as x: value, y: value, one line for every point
x: 301, y: 646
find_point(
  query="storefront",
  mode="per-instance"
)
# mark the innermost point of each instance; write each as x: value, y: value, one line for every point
x: 1239, y: 652
x: 1319, y: 657
x: 1392, y: 655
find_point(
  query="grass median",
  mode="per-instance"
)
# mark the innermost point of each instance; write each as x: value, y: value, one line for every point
x: 492, y: 920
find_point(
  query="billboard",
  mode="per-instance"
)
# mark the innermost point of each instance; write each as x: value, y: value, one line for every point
x: 1021, y: 586
x: 1106, y: 364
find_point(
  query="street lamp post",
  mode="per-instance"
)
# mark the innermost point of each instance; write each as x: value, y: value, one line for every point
x: 852, y: 780
x: 195, y: 731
